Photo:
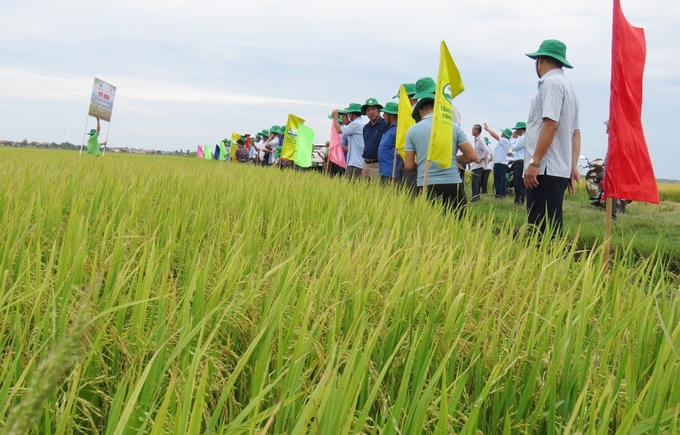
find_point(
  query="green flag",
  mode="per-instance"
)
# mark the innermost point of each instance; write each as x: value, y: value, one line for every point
x: 207, y: 154
x: 304, y: 146
x: 223, y: 151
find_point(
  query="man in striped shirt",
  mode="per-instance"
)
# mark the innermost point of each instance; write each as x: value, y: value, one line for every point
x: 553, y: 139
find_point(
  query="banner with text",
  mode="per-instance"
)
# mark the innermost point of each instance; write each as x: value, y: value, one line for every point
x: 290, y: 139
x: 101, y: 103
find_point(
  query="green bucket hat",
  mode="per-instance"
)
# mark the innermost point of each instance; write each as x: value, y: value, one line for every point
x: 371, y: 102
x: 392, y: 108
x: 416, y: 109
x: 424, y: 87
x: 264, y: 133
x: 507, y: 132
x: 277, y: 152
x: 353, y: 108
x: 520, y: 126
x: 92, y: 132
x: 486, y: 139
x: 275, y: 129
x: 410, y: 90
x: 552, y: 48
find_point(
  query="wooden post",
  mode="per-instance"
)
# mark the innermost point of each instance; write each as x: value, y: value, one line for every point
x: 394, y: 162
x: 427, y: 173
x: 607, y: 233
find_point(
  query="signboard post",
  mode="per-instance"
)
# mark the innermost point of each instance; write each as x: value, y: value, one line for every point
x: 101, y: 105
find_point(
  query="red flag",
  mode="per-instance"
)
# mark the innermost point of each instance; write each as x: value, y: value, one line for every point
x: 629, y: 174
x: 249, y: 141
x: 335, y: 152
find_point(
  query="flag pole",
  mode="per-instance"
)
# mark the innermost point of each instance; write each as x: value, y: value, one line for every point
x: 87, y: 120
x: 106, y: 141
x: 394, y: 162
x: 607, y: 233
x: 427, y: 173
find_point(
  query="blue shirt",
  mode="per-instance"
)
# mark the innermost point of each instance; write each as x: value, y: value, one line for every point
x: 372, y: 136
x: 418, y: 140
x: 355, y: 142
x: 386, y: 153
x: 345, y: 144
x: 517, y: 148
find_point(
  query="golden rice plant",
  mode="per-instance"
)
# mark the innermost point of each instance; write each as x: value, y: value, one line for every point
x: 233, y: 299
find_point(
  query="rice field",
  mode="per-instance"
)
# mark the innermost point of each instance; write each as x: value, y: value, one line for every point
x: 166, y: 295
x: 669, y: 191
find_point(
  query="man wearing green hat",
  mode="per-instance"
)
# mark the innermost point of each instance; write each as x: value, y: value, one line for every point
x: 390, y: 161
x: 553, y: 139
x: 93, y: 141
x: 252, y: 151
x: 373, y: 133
x: 410, y: 91
x: 442, y: 182
x: 517, y: 151
x: 500, y: 160
x: 354, y: 132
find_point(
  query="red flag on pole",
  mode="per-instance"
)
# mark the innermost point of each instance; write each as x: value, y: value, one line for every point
x: 629, y: 174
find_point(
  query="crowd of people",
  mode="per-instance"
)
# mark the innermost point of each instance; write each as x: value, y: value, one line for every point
x: 543, y: 151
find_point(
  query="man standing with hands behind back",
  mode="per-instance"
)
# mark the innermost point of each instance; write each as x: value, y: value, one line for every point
x: 553, y: 139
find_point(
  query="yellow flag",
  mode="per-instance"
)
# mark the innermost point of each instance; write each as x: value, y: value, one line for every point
x: 235, y: 137
x: 404, y: 120
x: 449, y: 86
x: 290, y: 139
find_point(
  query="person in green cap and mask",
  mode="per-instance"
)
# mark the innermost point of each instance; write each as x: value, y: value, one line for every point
x: 93, y: 143
x: 553, y: 139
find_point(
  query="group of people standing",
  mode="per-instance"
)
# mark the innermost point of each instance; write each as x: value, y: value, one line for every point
x: 543, y: 151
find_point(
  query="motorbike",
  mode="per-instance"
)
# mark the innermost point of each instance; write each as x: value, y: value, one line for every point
x: 594, y: 176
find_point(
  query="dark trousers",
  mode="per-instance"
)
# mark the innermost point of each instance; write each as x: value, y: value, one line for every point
x: 520, y: 189
x: 410, y: 179
x: 353, y: 172
x: 544, y: 204
x: 335, y: 170
x: 485, y: 181
x: 449, y: 195
x: 499, y: 172
x: 461, y: 186
x: 477, y: 183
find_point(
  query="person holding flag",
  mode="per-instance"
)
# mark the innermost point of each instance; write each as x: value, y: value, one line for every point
x: 93, y: 143
x: 390, y: 161
x: 354, y: 132
x: 553, y: 139
x: 442, y: 182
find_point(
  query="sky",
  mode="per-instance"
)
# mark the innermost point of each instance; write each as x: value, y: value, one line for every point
x: 191, y: 72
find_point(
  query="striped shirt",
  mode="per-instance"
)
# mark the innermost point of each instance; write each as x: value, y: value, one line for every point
x: 556, y: 100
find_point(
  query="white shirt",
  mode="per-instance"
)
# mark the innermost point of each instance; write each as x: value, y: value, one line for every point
x: 556, y: 100
x: 488, y: 164
x: 500, y: 153
x: 482, y: 153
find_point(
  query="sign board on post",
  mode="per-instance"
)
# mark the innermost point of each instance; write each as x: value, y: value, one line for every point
x: 101, y: 103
